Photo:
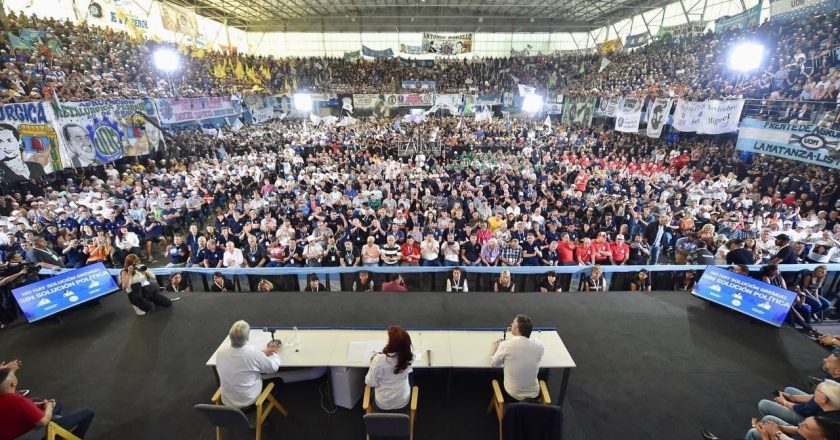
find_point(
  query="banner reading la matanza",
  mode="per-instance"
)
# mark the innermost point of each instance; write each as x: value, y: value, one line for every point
x: 803, y: 142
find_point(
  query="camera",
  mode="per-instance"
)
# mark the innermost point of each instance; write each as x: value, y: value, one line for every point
x: 141, y: 267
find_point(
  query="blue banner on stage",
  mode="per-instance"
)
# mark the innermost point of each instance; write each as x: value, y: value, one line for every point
x: 63, y: 291
x: 749, y: 296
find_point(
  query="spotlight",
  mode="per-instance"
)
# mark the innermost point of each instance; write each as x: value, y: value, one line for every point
x: 166, y: 59
x: 532, y: 103
x: 303, y: 102
x: 746, y: 57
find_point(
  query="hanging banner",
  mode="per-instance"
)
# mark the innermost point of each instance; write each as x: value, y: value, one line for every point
x: 411, y: 49
x: 368, y: 52
x: 657, y: 115
x: 748, y: 19
x: 788, y: 9
x: 808, y: 143
x: 447, y: 44
x: 178, y: 19
x: 628, y: 115
x: 261, y: 115
x: 29, y: 145
x: 607, y: 107
x: 687, y: 115
x: 693, y: 29
x: 354, y: 55
x: 495, y: 99
x: 345, y: 101
x: 408, y: 62
x: 578, y: 110
x: 96, y: 132
x: 372, y: 104
x: 721, y: 116
x: 419, y: 85
x: 637, y: 40
x: 174, y: 111
x: 414, y: 99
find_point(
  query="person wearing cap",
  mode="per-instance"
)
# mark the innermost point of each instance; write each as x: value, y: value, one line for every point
x: 785, y: 254
x: 19, y: 415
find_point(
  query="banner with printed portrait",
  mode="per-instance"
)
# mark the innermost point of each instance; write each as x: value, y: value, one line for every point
x: 28, y: 143
x: 808, y: 143
x: 637, y: 40
x: 374, y: 104
x: 447, y: 44
x: 745, y: 20
x: 607, y: 107
x: 687, y: 115
x: 721, y: 116
x: 174, y: 111
x: 411, y: 49
x: 178, y: 19
x: 629, y: 115
x: 657, y: 115
x: 345, y: 104
x: 97, y: 132
x: 578, y: 110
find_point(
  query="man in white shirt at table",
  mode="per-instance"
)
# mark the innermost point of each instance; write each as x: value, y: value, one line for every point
x: 241, y: 366
x: 520, y: 358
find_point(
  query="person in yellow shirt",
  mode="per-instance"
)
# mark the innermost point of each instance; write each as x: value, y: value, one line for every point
x: 496, y: 222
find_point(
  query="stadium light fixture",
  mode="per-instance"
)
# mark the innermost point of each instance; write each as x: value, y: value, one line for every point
x: 532, y: 103
x: 746, y: 57
x: 303, y: 102
x: 166, y: 60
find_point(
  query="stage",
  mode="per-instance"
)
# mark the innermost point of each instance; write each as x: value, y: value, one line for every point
x: 649, y: 366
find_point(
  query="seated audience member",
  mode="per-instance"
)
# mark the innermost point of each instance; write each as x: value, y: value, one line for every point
x: 811, y: 286
x: 640, y: 282
x: 314, y: 284
x: 221, y: 284
x: 456, y: 281
x: 389, y: 372
x: 363, y: 283
x: 241, y: 366
x: 19, y: 415
x: 265, y: 286
x: 550, y: 283
x: 519, y: 357
x: 178, y: 283
x: 701, y: 254
x: 141, y: 286
x: 737, y: 254
x: 823, y: 404
x: 504, y: 283
x: 800, y: 313
x: 740, y: 269
x: 685, y: 281
x: 395, y: 283
x: 595, y: 281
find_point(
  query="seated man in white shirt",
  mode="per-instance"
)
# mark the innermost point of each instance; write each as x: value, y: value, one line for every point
x: 520, y: 358
x: 241, y: 366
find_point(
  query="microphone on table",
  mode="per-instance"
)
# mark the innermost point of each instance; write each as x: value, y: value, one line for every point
x: 267, y: 330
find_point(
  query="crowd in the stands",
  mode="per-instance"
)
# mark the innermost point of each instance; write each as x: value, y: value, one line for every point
x: 94, y: 63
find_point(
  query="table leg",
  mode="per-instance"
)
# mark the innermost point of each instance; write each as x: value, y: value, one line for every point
x: 563, y: 385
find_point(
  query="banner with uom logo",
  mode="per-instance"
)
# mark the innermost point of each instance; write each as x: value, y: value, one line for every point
x: 102, y: 131
x: 803, y: 142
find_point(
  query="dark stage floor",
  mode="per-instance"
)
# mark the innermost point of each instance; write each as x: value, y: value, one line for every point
x: 650, y: 366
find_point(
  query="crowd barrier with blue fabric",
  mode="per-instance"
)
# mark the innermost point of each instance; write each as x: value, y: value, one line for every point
x: 432, y: 278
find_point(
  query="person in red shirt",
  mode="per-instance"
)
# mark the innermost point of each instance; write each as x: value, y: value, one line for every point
x: 601, y: 249
x: 583, y: 253
x: 619, y: 251
x: 410, y: 252
x: 19, y: 415
x: 395, y: 284
x: 566, y: 250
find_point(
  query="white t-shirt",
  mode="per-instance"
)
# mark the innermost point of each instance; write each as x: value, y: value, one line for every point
x: 520, y: 358
x: 240, y: 373
x: 392, y: 391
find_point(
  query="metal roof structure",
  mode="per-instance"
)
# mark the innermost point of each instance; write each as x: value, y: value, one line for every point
x: 418, y: 15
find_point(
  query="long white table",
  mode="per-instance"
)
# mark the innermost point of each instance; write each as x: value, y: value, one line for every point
x: 434, y: 348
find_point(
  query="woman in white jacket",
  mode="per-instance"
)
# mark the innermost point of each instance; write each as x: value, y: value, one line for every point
x: 389, y: 371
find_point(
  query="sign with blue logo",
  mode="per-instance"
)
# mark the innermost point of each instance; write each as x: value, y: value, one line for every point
x: 61, y: 292
x: 749, y: 296
x: 809, y: 143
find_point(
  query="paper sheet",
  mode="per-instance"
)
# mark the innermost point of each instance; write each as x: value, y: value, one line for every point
x: 362, y: 351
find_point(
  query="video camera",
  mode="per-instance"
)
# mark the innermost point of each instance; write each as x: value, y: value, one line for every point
x: 13, y: 267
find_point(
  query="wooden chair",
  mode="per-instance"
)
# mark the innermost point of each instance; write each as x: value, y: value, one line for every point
x: 389, y: 424
x: 222, y: 416
x: 497, y: 401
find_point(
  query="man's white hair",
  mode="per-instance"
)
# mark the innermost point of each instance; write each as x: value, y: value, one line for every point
x: 239, y: 333
x: 831, y: 389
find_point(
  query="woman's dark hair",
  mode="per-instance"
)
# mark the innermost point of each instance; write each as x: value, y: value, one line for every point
x: 767, y: 270
x: 399, y: 343
x: 829, y: 426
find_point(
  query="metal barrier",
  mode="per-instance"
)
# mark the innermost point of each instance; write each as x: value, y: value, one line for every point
x: 433, y: 278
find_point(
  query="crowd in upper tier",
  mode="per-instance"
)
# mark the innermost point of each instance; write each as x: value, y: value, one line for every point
x: 95, y: 63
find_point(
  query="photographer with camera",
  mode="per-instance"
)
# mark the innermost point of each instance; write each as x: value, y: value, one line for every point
x: 140, y: 283
x: 12, y: 274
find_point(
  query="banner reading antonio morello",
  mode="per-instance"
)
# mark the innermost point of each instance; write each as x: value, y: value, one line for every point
x: 808, y: 143
x: 749, y: 296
